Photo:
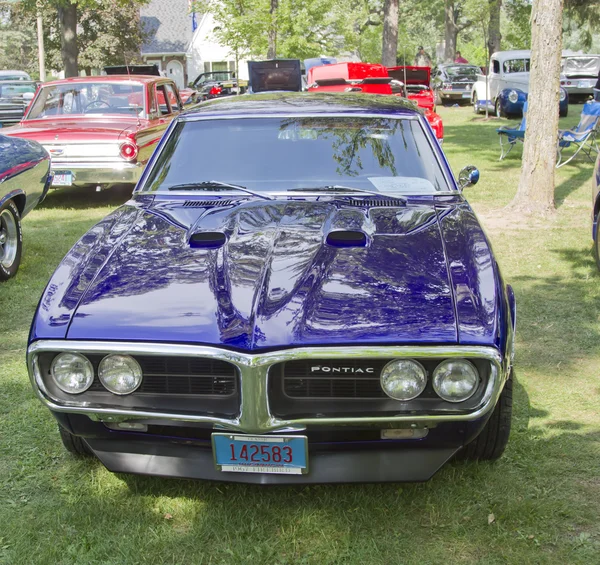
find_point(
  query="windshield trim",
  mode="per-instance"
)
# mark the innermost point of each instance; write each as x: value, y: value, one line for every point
x: 418, y: 117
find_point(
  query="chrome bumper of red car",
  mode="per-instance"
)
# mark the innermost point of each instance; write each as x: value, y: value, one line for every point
x: 78, y: 173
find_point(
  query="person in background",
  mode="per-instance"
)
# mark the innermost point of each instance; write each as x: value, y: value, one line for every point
x: 459, y: 58
x: 422, y: 58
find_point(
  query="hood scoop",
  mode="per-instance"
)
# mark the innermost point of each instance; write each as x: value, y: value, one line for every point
x: 377, y: 202
x: 346, y: 238
x: 206, y: 203
x: 208, y: 240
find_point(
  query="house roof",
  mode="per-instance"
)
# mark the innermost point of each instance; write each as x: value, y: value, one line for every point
x: 167, y: 25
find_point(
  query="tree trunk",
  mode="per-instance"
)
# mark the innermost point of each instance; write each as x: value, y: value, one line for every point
x: 272, y: 51
x: 67, y: 15
x: 495, y: 37
x: 535, y: 194
x: 389, y: 51
x: 450, y: 31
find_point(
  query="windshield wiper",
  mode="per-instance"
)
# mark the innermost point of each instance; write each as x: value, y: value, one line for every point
x: 216, y: 185
x: 341, y: 188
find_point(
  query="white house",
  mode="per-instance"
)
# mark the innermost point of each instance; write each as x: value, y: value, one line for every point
x: 183, y: 45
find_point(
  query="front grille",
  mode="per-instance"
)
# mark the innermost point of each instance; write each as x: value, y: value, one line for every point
x: 182, y: 375
x: 355, y: 378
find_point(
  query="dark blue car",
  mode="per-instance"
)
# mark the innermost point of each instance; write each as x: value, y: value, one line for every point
x: 24, y: 181
x: 308, y: 299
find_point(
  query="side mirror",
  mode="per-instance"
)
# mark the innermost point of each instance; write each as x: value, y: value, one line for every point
x: 468, y: 176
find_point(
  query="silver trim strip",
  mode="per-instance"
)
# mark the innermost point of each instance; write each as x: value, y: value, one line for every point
x: 255, y: 415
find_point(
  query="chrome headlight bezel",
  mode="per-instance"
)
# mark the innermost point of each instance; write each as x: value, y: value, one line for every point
x: 420, y: 381
x: 75, y: 358
x: 124, y: 363
x: 470, y: 370
x: 513, y: 97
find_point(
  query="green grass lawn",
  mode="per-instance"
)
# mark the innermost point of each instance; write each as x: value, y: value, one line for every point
x: 539, y: 504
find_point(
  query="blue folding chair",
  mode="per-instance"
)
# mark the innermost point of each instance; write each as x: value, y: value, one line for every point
x: 510, y: 136
x: 582, y: 137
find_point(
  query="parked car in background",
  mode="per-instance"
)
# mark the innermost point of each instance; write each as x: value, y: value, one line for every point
x: 217, y: 84
x: 403, y: 82
x: 24, y: 180
x: 15, y: 96
x: 417, y: 81
x: 579, y: 74
x: 323, y: 308
x: 14, y: 75
x: 100, y: 130
x: 453, y: 82
x: 505, y: 89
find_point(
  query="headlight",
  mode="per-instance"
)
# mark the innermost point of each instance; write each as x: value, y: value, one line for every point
x: 455, y: 380
x: 403, y: 379
x: 120, y: 374
x: 72, y: 373
x: 513, y: 96
x: 563, y: 94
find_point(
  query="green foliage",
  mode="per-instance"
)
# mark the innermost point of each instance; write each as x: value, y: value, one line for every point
x: 18, y: 42
x: 516, y: 29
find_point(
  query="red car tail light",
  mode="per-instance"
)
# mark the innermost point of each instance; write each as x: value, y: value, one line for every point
x: 129, y: 151
x: 215, y: 91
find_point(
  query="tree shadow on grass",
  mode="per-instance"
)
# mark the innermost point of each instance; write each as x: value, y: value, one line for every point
x: 84, y: 197
x: 584, y: 173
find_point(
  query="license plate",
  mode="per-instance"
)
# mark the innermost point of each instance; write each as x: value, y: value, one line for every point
x: 62, y: 178
x: 586, y: 83
x: 466, y: 95
x: 237, y: 453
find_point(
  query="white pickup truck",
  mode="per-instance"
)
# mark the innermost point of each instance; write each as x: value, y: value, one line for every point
x: 505, y: 89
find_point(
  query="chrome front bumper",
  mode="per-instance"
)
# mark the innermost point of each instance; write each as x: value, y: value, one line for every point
x: 255, y: 415
x: 99, y: 173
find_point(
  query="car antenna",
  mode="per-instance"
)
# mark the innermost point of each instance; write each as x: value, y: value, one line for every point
x: 137, y: 114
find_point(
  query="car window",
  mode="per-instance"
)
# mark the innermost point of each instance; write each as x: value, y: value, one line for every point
x: 462, y: 71
x: 495, y: 66
x: 516, y: 66
x: 173, y: 98
x: 162, y: 98
x: 90, y: 98
x: 378, y: 154
x: 15, y: 89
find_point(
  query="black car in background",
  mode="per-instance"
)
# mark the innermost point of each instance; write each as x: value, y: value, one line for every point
x: 216, y: 84
x: 453, y: 82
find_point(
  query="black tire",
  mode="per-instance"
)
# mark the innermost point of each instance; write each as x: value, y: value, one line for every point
x: 489, y: 445
x: 475, y: 102
x: 498, y: 109
x: 74, y: 444
x: 565, y: 113
x: 11, y: 240
x: 597, y: 242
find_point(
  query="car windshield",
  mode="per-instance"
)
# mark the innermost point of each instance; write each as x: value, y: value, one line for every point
x: 463, y: 71
x: 213, y: 77
x: 16, y: 89
x: 88, y: 98
x: 387, y: 155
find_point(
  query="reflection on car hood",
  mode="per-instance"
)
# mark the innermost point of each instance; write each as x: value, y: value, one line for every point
x: 276, y: 282
x: 74, y: 130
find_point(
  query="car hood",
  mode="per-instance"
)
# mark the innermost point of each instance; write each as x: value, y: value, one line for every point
x: 72, y: 130
x: 277, y: 281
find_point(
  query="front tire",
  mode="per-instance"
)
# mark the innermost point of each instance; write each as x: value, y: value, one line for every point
x: 565, y: 113
x: 475, y: 101
x: 489, y: 445
x: 498, y: 109
x: 74, y: 444
x: 11, y: 240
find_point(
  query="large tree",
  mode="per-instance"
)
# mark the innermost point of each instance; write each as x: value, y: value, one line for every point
x: 69, y: 16
x: 455, y: 21
x: 535, y: 193
x: 389, y: 52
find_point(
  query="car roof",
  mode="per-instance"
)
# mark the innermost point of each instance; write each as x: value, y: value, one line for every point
x: 108, y: 78
x: 309, y: 103
x: 9, y: 73
x: 515, y: 54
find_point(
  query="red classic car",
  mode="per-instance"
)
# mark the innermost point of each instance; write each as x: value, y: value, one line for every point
x: 99, y: 130
x: 406, y: 82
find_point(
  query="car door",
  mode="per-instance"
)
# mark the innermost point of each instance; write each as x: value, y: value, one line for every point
x: 495, y: 79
